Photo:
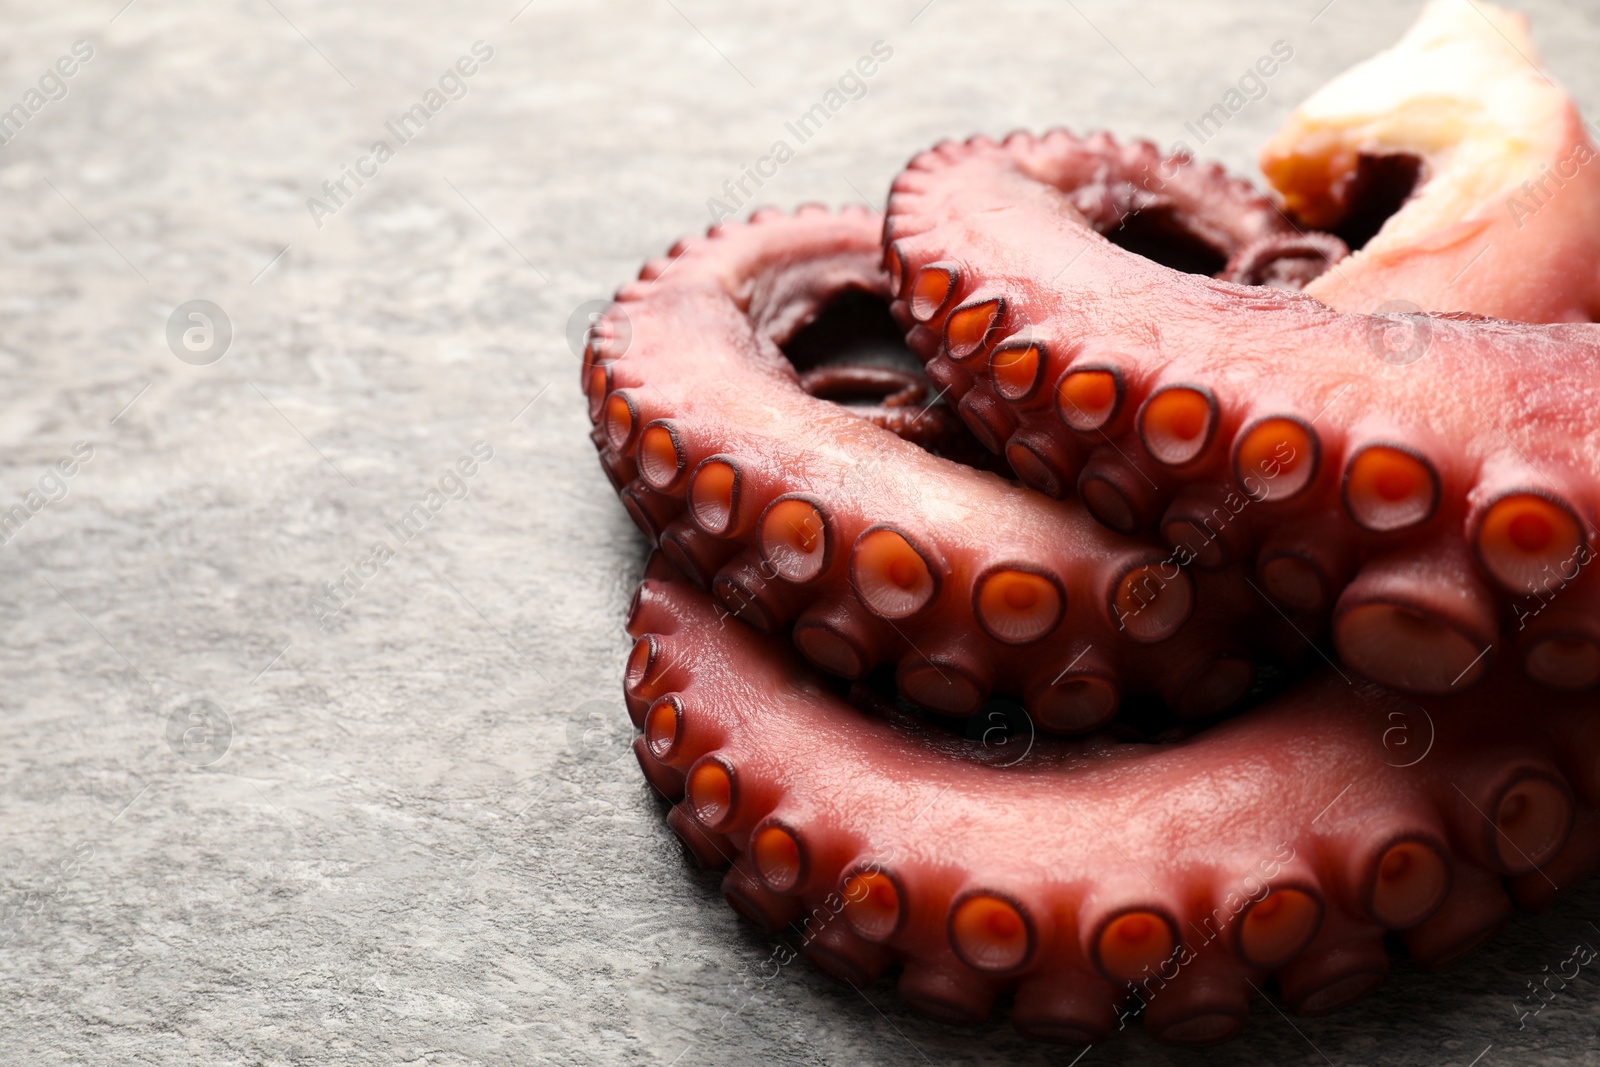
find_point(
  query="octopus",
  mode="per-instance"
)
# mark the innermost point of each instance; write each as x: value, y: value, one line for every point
x: 1149, y: 637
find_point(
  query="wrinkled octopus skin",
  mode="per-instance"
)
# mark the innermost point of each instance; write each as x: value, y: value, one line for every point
x: 797, y: 512
x: 1435, y: 493
x: 1096, y: 880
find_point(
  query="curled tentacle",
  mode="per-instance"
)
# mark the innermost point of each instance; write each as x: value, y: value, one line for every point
x: 895, y: 388
x: 1285, y: 261
x: 1097, y: 878
x: 793, y: 508
x: 1390, y: 429
x: 901, y: 409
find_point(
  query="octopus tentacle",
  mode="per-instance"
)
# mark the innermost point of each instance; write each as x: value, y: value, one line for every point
x: 896, y: 388
x: 901, y: 410
x: 1182, y: 383
x: 875, y: 549
x: 1285, y: 261
x: 1096, y: 878
x: 1188, y: 213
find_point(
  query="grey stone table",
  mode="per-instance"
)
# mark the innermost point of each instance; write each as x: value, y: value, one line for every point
x: 244, y: 823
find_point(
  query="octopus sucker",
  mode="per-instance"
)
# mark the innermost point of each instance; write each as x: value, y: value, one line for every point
x: 821, y: 809
x: 1559, y: 645
x: 1061, y: 676
x: 1125, y: 493
x: 1389, y: 486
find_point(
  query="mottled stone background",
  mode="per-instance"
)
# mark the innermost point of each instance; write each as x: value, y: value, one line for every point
x: 412, y: 832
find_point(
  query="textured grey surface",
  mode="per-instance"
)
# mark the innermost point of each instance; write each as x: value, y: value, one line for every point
x: 426, y: 841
